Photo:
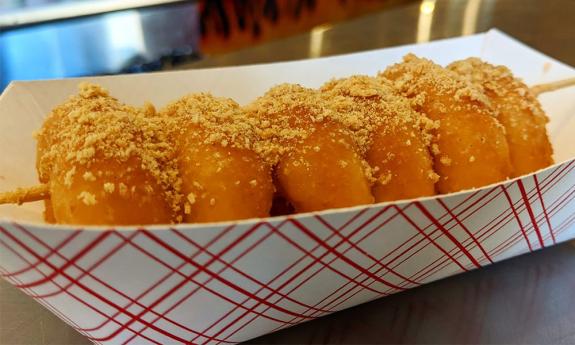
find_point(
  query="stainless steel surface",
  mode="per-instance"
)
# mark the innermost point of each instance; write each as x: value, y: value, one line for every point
x: 132, y: 40
x: 528, y: 299
x: 546, y: 25
x: 65, y: 10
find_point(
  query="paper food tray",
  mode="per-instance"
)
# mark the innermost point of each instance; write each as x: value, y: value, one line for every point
x: 230, y: 282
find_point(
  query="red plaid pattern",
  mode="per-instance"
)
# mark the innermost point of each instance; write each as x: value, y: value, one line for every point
x: 226, y: 284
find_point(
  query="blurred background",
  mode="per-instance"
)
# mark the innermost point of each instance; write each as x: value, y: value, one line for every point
x: 66, y: 38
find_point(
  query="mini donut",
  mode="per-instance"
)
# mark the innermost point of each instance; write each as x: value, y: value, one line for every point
x: 317, y: 165
x: 517, y: 109
x: 394, y: 138
x: 106, y: 163
x: 469, y: 145
x: 222, y: 176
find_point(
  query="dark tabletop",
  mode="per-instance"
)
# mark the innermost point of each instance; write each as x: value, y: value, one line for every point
x: 525, y: 300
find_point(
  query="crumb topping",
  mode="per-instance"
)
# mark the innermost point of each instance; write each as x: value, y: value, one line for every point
x: 87, y: 198
x: 416, y: 77
x: 109, y: 187
x: 88, y: 176
x: 499, y: 81
x: 211, y: 120
x: 92, y: 127
x: 284, y: 116
x: 366, y: 105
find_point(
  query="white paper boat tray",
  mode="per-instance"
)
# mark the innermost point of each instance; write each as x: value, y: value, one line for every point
x: 230, y: 282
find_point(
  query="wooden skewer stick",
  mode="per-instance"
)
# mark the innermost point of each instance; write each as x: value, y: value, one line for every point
x: 556, y: 85
x: 22, y: 195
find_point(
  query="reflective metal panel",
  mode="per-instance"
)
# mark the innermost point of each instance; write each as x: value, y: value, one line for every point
x: 132, y: 40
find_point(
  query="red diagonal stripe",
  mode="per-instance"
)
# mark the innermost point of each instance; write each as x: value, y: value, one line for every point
x: 127, y: 240
x: 517, y: 217
x: 504, y: 245
x: 346, y: 239
x: 466, y: 230
x: 446, y: 233
x: 543, y: 207
x: 191, y: 293
x: 199, y: 268
x: 530, y: 212
x: 410, y: 221
x: 67, y: 240
x: 220, y: 279
x: 30, y: 292
x: 90, y: 291
x: 156, y: 284
x: 558, y: 174
x: 556, y: 206
x: 293, y: 277
x: 243, y: 274
x: 203, y: 286
x: 445, y: 259
x: 342, y: 257
x: 60, y: 270
x: 132, y: 301
x: 316, y: 260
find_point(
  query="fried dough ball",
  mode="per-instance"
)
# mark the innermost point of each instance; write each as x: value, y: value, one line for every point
x: 517, y: 109
x: 106, y: 163
x: 324, y: 172
x: 393, y: 137
x: 316, y: 159
x: 470, y: 149
x: 107, y: 193
x: 222, y: 177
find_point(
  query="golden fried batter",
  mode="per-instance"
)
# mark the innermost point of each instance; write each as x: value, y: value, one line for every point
x: 318, y: 166
x: 470, y: 149
x: 222, y: 177
x: 106, y: 163
x: 393, y: 137
x: 415, y: 130
x: 517, y: 109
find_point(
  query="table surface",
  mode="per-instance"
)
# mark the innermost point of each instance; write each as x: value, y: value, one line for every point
x: 528, y: 299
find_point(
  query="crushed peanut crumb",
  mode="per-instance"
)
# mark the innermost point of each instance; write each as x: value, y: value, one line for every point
x: 500, y: 82
x: 367, y: 105
x: 385, y: 178
x: 417, y: 77
x: 123, y: 189
x: 109, y: 187
x: 89, y: 176
x: 94, y: 128
x: 87, y: 198
x: 69, y: 177
x: 191, y: 198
